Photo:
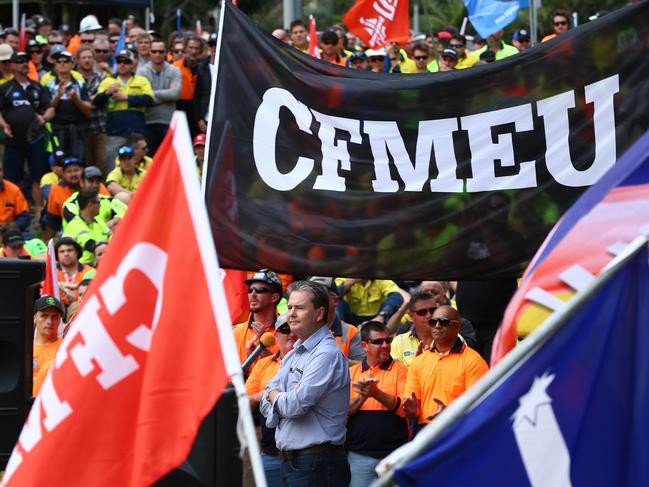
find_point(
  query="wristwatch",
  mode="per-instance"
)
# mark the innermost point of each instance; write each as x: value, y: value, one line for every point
x: 385, y: 314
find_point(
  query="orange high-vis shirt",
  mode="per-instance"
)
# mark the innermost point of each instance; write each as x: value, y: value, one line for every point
x: 261, y: 374
x: 187, y: 80
x: 443, y: 376
x: 12, y: 201
x: 44, y: 353
x: 243, y: 334
x: 391, y: 376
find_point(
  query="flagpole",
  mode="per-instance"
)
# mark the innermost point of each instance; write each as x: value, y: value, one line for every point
x: 507, y: 366
x: 215, y: 73
x: 218, y: 302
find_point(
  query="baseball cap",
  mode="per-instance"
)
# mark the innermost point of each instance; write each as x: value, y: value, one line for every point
x: 91, y: 172
x: 65, y: 54
x: 280, y: 321
x: 31, y: 43
x: 125, y: 150
x: 5, y: 52
x: 57, y: 49
x: 211, y: 41
x: 449, y: 52
x: 47, y: 301
x: 358, y: 55
x: 13, y: 239
x: 71, y: 160
x: 126, y: 54
x: 375, y: 52
x: 57, y: 157
x: 522, y: 35
x: 199, y: 139
x: 19, y: 57
x: 328, y: 282
x: 267, y: 276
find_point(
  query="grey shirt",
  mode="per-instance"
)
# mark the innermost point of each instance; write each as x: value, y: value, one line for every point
x: 313, y: 405
x: 166, y: 90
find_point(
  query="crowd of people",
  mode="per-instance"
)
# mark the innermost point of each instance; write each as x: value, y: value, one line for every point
x: 359, y: 365
x: 443, y: 50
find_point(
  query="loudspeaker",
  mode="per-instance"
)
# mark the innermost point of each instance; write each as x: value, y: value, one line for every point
x: 214, y: 458
x: 19, y: 280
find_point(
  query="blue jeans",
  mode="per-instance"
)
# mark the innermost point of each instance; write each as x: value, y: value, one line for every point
x: 362, y: 468
x: 325, y: 469
x: 272, y: 465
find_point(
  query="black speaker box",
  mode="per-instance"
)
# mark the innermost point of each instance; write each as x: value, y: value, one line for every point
x: 19, y: 280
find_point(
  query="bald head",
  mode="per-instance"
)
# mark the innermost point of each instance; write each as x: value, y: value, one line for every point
x: 446, y: 311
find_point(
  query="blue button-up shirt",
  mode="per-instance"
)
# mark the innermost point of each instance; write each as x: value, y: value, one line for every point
x: 313, y: 405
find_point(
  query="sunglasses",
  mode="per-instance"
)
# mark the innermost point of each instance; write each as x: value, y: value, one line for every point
x: 330, y: 43
x: 424, y: 311
x: 284, y: 330
x: 63, y: 61
x: 157, y: 51
x: 177, y: 51
x: 420, y: 58
x: 379, y: 341
x: 441, y: 321
x: 123, y: 61
x: 375, y: 59
x: 35, y: 51
x: 101, y: 51
x: 562, y: 22
x: 258, y: 290
x: 455, y: 46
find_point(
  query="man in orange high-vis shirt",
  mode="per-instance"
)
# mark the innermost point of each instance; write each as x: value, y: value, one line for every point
x: 441, y: 374
x: 188, y: 72
x: 264, y: 292
x: 262, y: 372
x: 377, y: 424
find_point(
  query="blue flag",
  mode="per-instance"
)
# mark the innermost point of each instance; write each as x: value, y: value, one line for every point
x: 574, y: 412
x: 121, y: 42
x: 488, y: 16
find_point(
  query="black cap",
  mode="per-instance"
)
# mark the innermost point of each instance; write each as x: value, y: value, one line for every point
x: 67, y: 241
x: 211, y: 41
x: 13, y: 238
x: 269, y: 277
x: 488, y: 56
x: 91, y: 172
x: 328, y: 282
x: 126, y: 54
x: 522, y: 35
x: 19, y: 57
x: 358, y: 55
x: 449, y: 52
x: 47, y: 301
x: 329, y: 35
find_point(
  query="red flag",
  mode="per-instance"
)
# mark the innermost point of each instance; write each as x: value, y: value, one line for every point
x: 236, y: 294
x: 22, y: 38
x: 50, y: 284
x: 376, y: 22
x: 314, y: 50
x: 145, y: 359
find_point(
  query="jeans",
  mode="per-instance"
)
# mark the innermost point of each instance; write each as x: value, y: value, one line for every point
x: 362, y: 468
x: 272, y: 465
x: 325, y: 469
x: 14, y: 161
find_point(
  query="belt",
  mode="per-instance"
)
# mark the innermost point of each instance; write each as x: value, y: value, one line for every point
x: 290, y: 454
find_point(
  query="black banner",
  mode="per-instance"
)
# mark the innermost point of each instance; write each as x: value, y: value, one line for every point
x: 315, y: 169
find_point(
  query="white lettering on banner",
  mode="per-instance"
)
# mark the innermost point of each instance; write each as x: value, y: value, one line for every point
x: 334, y: 151
x: 96, y: 349
x: 554, y: 111
x: 386, y: 8
x: 376, y: 28
x: 436, y: 136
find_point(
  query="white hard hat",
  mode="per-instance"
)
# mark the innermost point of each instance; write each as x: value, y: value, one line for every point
x: 88, y: 23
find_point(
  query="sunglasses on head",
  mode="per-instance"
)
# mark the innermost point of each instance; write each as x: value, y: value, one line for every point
x: 424, y: 311
x: 258, y: 290
x: 441, y: 321
x: 379, y: 341
x: 284, y: 329
x: 420, y: 58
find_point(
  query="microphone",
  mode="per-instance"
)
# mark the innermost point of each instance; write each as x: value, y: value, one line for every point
x: 267, y: 340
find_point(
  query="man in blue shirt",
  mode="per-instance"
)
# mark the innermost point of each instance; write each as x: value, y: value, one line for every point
x: 308, y: 400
